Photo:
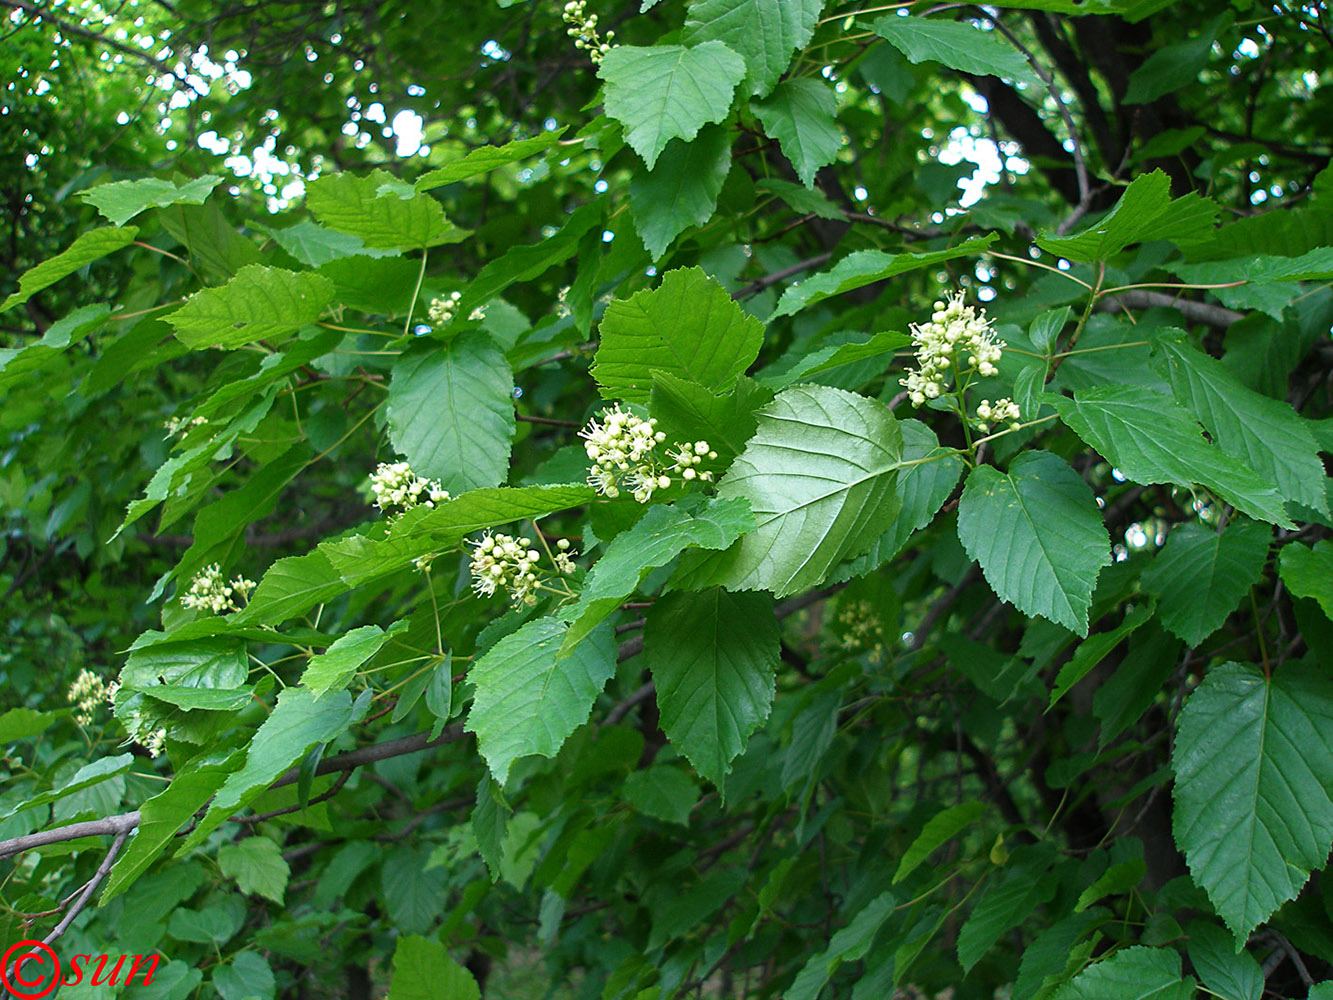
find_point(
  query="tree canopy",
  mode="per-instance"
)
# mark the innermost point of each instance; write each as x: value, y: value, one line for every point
x: 681, y: 498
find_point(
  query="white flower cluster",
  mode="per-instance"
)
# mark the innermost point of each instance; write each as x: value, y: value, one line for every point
x: 153, y: 741
x: 88, y: 692
x: 209, y: 592
x: 396, y: 485
x: 178, y: 425
x: 1000, y: 411
x: 441, y: 311
x: 562, y: 303
x: 583, y: 29
x: 503, y: 562
x: 956, y: 337
x: 622, y: 449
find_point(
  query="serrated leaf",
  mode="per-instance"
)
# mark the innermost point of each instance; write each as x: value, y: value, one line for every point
x: 412, y: 889
x: 1050, y: 953
x: 956, y: 44
x: 1266, y: 434
x: 205, y: 699
x: 17, y: 363
x: 484, y: 159
x: 1139, y: 972
x: 691, y: 412
x: 764, y: 32
x: 335, y: 667
x: 1200, y: 575
x: 1038, y: 535
x: 1116, y: 879
x: 451, y: 411
x: 713, y: 656
x: 1144, y: 212
x: 379, y: 286
x: 90, y: 774
x: 121, y: 201
x: 865, y: 267
x: 1151, y: 439
x: 246, y: 977
x: 832, y: 357
x: 201, y: 663
x: 681, y: 190
x: 654, y: 540
x: 849, y: 944
x: 20, y: 723
x: 1309, y: 572
x: 423, y: 970
x: 257, y: 865
x: 298, y: 721
x: 1176, y: 65
x: 1228, y: 975
x: 90, y: 246
x: 820, y: 476
x: 528, y: 700
x: 1023, y: 885
x: 377, y: 210
x: 314, y: 246
x: 260, y: 303
x: 665, y: 92
x: 1095, y: 649
x: 688, y: 327
x: 490, y: 818
x: 523, y: 263
x: 801, y: 115
x: 663, y: 792
x: 800, y: 199
x: 1253, y: 761
x: 943, y: 826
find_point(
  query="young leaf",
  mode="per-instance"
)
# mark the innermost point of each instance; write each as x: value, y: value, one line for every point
x: 1253, y: 761
x: 260, y: 303
x: 681, y: 190
x: 713, y: 656
x: 529, y: 700
x: 257, y: 865
x: 333, y: 668
x: 1200, y: 575
x: 381, y: 211
x: 820, y: 476
x: 120, y: 201
x: 955, y: 44
x: 451, y: 411
x: 1038, y: 535
x: 90, y: 246
x: 665, y: 92
x: 764, y: 32
x: 423, y: 970
x: 801, y: 116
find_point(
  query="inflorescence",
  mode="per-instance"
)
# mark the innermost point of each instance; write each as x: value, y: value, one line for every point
x: 89, y: 692
x: 441, y: 311
x: 209, y: 592
x: 505, y: 563
x: 622, y: 448
x: 396, y: 485
x: 583, y: 29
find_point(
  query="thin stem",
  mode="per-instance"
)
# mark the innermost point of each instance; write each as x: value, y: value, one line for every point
x: 421, y: 276
x: 1036, y: 263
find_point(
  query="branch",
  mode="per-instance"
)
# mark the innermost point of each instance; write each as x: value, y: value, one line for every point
x: 1198, y: 312
x: 759, y: 284
x: 116, y: 825
x: 103, y: 870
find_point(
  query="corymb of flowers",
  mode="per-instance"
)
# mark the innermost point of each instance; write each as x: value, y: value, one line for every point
x: 622, y: 448
x: 394, y: 484
x: 505, y: 563
x: 956, y: 345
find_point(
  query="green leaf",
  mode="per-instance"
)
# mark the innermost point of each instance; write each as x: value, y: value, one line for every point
x: 1309, y: 572
x: 695, y: 905
x: 413, y: 889
x: 315, y: 246
x: 801, y: 116
x: 490, y: 819
x: 836, y: 356
x: 451, y: 411
x: 865, y: 267
x: 1038, y: 534
x: 713, y: 656
x: 423, y: 970
x: 247, y: 976
x: 1174, y: 66
x: 1253, y: 761
x: 120, y: 201
x: 298, y: 721
x: 1144, y: 212
x: 665, y: 92
x: 688, y: 327
x: 801, y: 200
x: 381, y: 211
x: 764, y: 32
x: 527, y: 699
x: 257, y: 865
x: 820, y: 476
x: 260, y: 303
x: 17, y: 363
x: 1266, y: 434
x: 484, y: 159
x: 943, y: 826
x: 1200, y: 575
x: 90, y: 774
x: 681, y: 190
x: 1316, y: 265
x: 664, y: 792
x: 1151, y: 439
x: 20, y: 723
x: 201, y: 663
x: 657, y: 538
x: 1097, y: 647
x: 523, y: 263
x: 382, y: 287
x: 848, y: 944
x: 1118, y: 878
x: 207, y: 699
x: 1140, y: 972
x: 1024, y: 884
x: 90, y: 246
x: 956, y: 44
x: 334, y: 668
x: 689, y: 412
x: 1231, y: 976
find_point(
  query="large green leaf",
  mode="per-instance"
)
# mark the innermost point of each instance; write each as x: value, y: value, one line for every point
x: 528, y: 699
x: 688, y: 327
x: 120, y: 201
x: 90, y: 246
x: 423, y: 970
x: 688, y: 411
x: 665, y: 92
x: 1200, y: 575
x: 1173, y: 66
x: 1230, y: 975
x: 260, y: 303
x: 820, y: 475
x: 865, y: 267
x: 1139, y: 972
x: 1266, y: 434
x: 1038, y: 534
x: 1144, y: 212
x: 451, y: 411
x: 955, y: 44
x: 764, y: 32
x: 1151, y: 439
x: 713, y: 656
x: 1309, y: 572
x: 800, y: 115
x: 484, y: 159
x: 654, y: 540
x: 299, y: 721
x: 1253, y: 761
x: 681, y: 190
x: 383, y: 212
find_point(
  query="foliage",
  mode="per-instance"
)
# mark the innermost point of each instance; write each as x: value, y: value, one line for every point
x: 659, y: 527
